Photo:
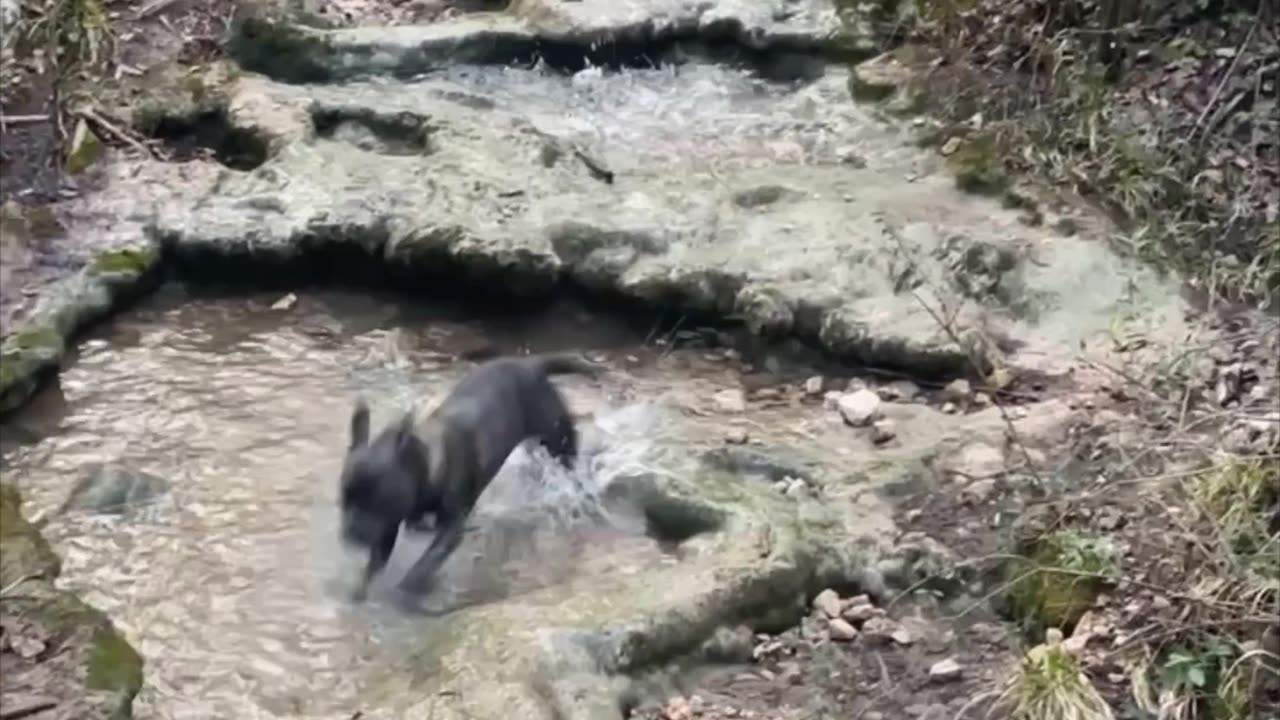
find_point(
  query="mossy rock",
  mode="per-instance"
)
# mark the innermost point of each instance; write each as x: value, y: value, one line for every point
x: 25, y: 355
x: 1055, y: 579
x: 281, y: 50
x: 125, y: 261
x: 25, y: 551
x: 978, y: 169
x: 89, y: 669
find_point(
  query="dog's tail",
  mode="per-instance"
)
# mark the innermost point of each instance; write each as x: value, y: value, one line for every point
x: 564, y: 364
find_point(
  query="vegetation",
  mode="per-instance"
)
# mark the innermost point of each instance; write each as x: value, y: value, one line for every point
x: 1164, y: 112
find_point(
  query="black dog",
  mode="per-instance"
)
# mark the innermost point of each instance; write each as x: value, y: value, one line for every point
x: 440, y: 468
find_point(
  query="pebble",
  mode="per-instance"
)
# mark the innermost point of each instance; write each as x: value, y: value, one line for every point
x: 880, y: 630
x: 828, y: 603
x: 859, y: 610
x: 882, y: 431
x: 957, y: 391
x: 813, y: 386
x: 949, y: 408
x: 285, y: 303
x: 736, y: 436
x: 945, y: 670
x: 841, y: 629
x: 859, y: 408
x: 730, y: 401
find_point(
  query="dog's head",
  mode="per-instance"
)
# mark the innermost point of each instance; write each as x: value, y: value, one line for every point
x: 380, y: 479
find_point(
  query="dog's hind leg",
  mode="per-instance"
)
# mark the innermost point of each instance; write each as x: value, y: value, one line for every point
x: 448, y: 536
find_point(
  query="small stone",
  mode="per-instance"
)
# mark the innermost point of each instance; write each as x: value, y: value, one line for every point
x: 859, y: 609
x: 730, y: 401
x: 880, y: 630
x: 882, y: 431
x: 957, y: 391
x: 945, y: 670
x: 285, y: 303
x: 898, y: 391
x: 859, y: 408
x: 949, y: 408
x: 677, y: 709
x: 789, y: 672
x: 978, y: 491
x: 813, y: 386
x: 736, y: 436
x: 902, y: 637
x: 950, y: 146
x: 831, y: 399
x: 828, y: 603
x: 795, y: 487
x: 981, y: 399
x: 841, y: 630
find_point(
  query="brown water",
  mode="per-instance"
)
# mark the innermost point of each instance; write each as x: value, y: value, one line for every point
x: 231, y: 587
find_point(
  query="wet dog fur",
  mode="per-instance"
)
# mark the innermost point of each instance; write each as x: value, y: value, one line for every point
x: 439, y: 468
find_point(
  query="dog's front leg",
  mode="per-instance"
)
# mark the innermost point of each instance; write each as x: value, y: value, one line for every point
x: 379, y: 554
x: 419, y: 577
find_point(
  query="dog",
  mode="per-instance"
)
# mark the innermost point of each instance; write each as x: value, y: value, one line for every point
x: 440, y: 468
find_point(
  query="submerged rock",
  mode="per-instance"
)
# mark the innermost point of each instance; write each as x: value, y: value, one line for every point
x: 114, y: 489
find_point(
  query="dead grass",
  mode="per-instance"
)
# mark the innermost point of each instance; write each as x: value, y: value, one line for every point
x: 1194, y: 187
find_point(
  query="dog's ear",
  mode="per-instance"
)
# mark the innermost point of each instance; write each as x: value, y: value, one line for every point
x: 360, y: 424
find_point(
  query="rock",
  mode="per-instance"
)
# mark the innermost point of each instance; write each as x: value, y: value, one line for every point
x: 945, y: 671
x: 957, y: 391
x: 789, y: 672
x: 795, y: 487
x: 285, y: 303
x: 730, y: 645
x: 859, y: 609
x: 677, y: 708
x: 736, y: 436
x: 828, y: 603
x: 901, y: 636
x: 831, y: 399
x: 976, y: 461
x: 949, y: 408
x: 730, y: 401
x: 981, y: 400
x: 841, y: 630
x: 978, y: 491
x: 899, y: 390
x: 880, y: 630
x: 813, y: 386
x: 859, y: 408
x: 114, y: 489
x: 882, y: 431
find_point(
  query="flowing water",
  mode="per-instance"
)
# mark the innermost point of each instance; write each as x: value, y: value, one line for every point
x: 232, y: 585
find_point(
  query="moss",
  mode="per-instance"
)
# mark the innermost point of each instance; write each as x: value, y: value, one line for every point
x: 23, y: 551
x: 1056, y: 578
x: 126, y: 260
x: 978, y: 169
x: 113, y: 663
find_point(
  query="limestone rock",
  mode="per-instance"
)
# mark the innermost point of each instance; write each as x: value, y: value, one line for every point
x: 114, y: 489
x: 945, y: 671
x: 841, y: 630
x: 859, y: 408
x: 828, y: 603
x: 957, y: 391
x: 883, y: 430
x: 730, y: 401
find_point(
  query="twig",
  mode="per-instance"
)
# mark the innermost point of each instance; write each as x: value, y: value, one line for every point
x: 1213, y: 100
x: 97, y: 119
x: 27, y: 710
x: 21, y: 119
x: 29, y: 576
x: 152, y: 8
